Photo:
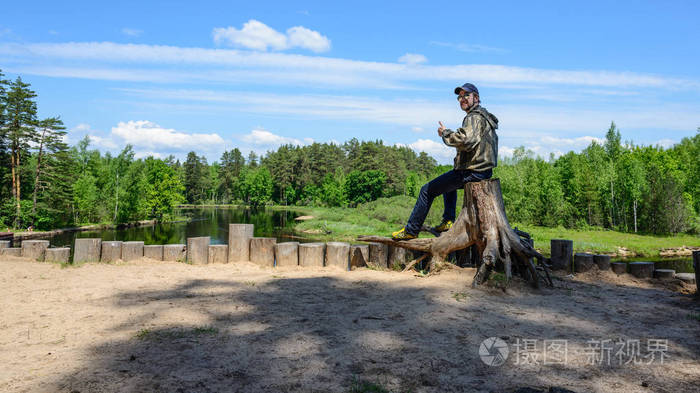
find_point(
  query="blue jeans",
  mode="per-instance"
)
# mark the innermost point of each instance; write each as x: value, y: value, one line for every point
x: 447, y: 185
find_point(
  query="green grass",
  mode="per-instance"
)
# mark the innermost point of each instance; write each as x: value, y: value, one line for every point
x: 385, y: 215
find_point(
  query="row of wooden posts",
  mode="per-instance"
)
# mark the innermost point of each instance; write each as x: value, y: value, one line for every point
x: 242, y: 246
x: 563, y: 258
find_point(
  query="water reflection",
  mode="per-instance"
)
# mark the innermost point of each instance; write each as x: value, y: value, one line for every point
x: 202, y: 222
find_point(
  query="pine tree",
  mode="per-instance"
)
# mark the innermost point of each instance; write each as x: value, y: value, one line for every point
x: 20, y: 130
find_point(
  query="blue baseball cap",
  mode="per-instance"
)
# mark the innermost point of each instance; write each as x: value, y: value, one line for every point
x: 468, y: 88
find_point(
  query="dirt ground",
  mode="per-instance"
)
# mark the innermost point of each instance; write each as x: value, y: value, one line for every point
x: 149, y: 326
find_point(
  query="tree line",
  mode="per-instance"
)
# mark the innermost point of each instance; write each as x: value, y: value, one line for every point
x: 48, y: 184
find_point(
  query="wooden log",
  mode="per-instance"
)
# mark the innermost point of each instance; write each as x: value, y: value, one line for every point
x: 287, y: 254
x: 359, y: 255
x: 4, y: 244
x: 338, y: 255
x: 132, y: 250
x: 603, y: 261
x: 312, y: 254
x: 378, y: 255
x: 34, y: 249
x: 154, y: 252
x: 664, y: 274
x: 642, y: 269
x: 197, y: 250
x: 218, y: 253
x: 688, y: 278
x: 239, y: 236
x: 583, y: 262
x: 87, y: 250
x: 562, y: 254
x: 11, y: 252
x: 174, y: 253
x: 57, y: 255
x: 111, y: 251
x: 696, y: 267
x: 262, y: 251
x: 619, y: 267
x: 398, y: 257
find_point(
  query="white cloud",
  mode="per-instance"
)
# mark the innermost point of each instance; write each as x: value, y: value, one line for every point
x: 131, y: 32
x: 81, y: 127
x: 104, y: 143
x: 413, y: 58
x: 665, y: 143
x: 259, y: 36
x: 234, y: 66
x: 262, y: 137
x: 302, y: 37
x: 145, y: 134
x: 504, y: 151
x: 437, y: 150
x: 417, y: 130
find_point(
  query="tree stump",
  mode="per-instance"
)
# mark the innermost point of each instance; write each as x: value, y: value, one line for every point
x: 217, y: 253
x: 132, y: 250
x: 603, y: 261
x: 338, y: 255
x: 58, y: 255
x: 111, y: 251
x: 87, y: 250
x: 359, y: 255
x: 262, y: 251
x: 378, y: 255
x: 312, y: 254
x: 619, y: 267
x: 583, y: 262
x: 664, y: 274
x: 482, y: 222
x: 562, y: 254
x: 152, y: 252
x: 287, y: 254
x: 642, y: 269
x: 174, y: 252
x: 34, y: 249
x: 198, y: 250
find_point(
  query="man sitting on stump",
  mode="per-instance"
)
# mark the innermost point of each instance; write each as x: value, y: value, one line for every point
x: 477, y: 146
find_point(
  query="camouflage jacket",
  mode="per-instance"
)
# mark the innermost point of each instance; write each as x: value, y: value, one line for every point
x: 476, y: 141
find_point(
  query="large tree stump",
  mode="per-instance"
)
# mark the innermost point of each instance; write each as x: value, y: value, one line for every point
x: 482, y: 222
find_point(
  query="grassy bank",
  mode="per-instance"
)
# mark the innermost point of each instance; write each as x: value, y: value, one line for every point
x: 385, y: 215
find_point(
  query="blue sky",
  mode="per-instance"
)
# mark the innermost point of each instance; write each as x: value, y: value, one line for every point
x: 170, y: 77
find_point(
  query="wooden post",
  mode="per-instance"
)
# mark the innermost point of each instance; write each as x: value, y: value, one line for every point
x: 338, y: 255
x: 312, y: 254
x: 153, y: 252
x: 378, y: 255
x: 11, y: 252
x: 197, y: 250
x: 359, y: 255
x: 262, y: 251
x: 87, y: 250
x: 603, y: 261
x: 642, y: 269
x: 619, y: 267
x: 34, y: 249
x: 218, y: 253
x: 583, y: 262
x: 174, y: 252
x: 562, y: 254
x: 132, y: 251
x: 57, y: 255
x: 287, y: 254
x: 4, y: 244
x: 239, y: 236
x: 111, y: 251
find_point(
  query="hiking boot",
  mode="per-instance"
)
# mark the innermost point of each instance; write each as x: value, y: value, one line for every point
x: 402, y: 235
x: 444, y: 226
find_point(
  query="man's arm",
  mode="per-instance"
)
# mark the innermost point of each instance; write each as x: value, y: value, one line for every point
x: 466, y: 137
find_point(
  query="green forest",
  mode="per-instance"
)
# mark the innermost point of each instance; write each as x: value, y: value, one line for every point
x: 48, y: 184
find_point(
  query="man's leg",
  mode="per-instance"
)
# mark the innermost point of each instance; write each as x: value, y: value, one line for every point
x: 447, y: 182
x: 450, y: 198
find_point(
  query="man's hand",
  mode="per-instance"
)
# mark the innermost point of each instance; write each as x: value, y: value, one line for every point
x: 441, y: 129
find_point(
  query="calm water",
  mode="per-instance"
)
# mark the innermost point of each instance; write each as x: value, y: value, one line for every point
x: 203, y: 222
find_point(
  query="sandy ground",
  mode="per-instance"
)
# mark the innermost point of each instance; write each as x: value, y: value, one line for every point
x: 151, y: 326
